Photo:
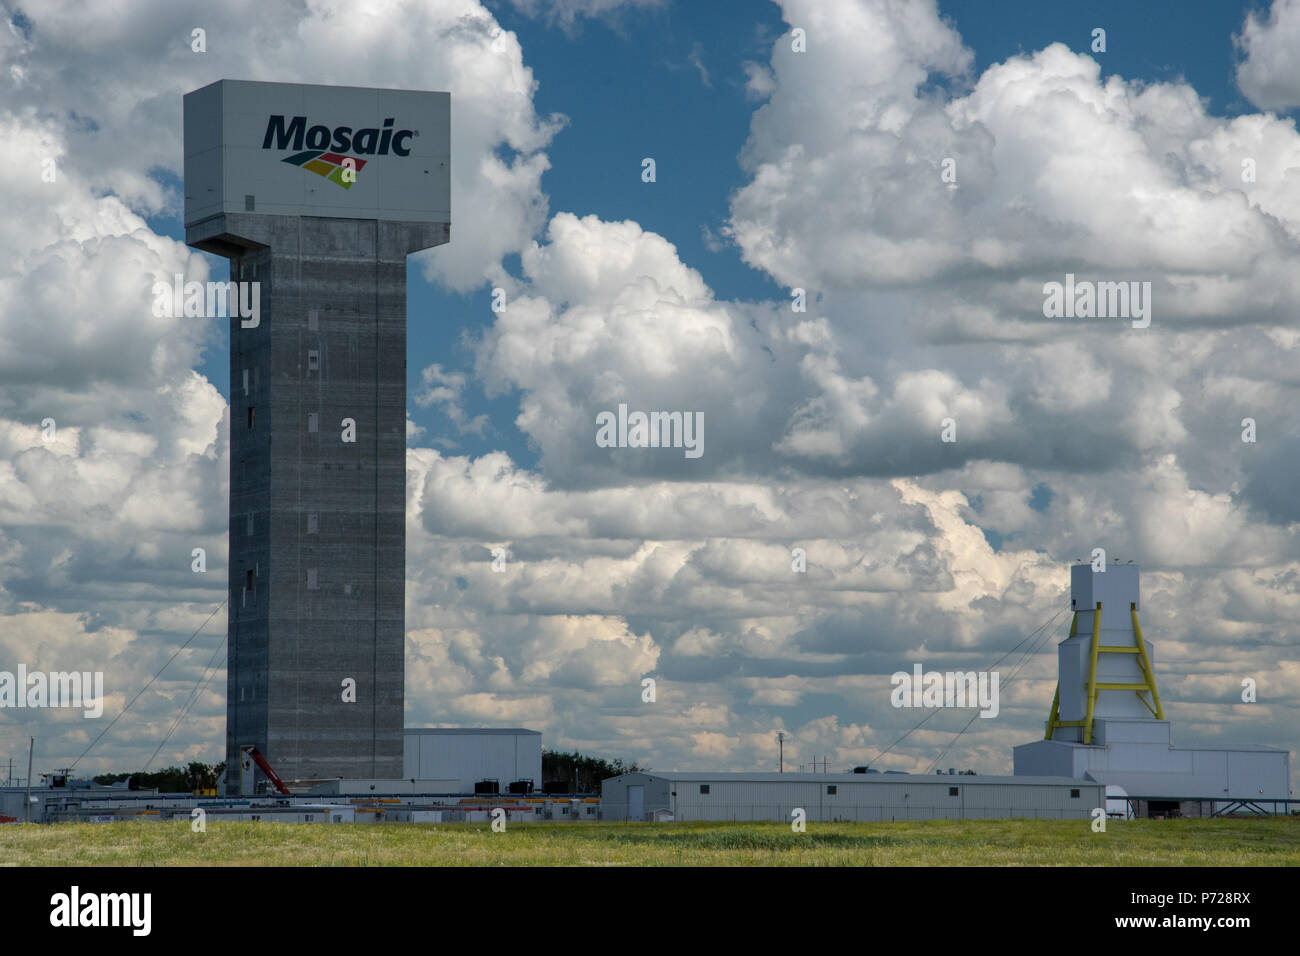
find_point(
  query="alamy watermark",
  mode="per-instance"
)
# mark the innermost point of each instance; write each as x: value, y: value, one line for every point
x: 950, y: 689
x: 128, y: 910
x: 208, y: 300
x: 1098, y: 300
x: 653, y: 430
x: 55, y: 689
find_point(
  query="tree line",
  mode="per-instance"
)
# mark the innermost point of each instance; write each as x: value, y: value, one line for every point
x: 196, y: 776
x: 581, y: 773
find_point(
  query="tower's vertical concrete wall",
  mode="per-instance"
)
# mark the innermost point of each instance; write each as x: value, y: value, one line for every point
x: 317, y: 521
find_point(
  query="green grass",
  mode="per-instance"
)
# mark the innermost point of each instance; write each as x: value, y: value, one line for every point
x: 1222, y: 842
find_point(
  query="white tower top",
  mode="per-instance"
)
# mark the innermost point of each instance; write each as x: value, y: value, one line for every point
x: 297, y: 149
x: 1104, y: 666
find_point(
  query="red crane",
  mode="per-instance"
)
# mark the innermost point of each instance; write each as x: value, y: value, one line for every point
x: 266, y: 769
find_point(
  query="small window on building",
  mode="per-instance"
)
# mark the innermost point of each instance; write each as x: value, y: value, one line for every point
x: 952, y: 791
x: 704, y: 789
x: 1074, y: 793
x: 245, y: 381
x: 250, y: 416
x: 248, y: 579
x: 250, y: 204
x: 311, y: 580
x: 313, y: 360
x: 249, y: 528
x: 313, y: 320
x: 313, y: 523
x: 831, y: 790
x: 313, y: 422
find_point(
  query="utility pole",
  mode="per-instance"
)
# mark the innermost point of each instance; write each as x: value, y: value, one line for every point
x: 27, y: 804
x: 780, y: 739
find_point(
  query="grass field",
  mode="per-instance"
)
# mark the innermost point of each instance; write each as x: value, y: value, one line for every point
x: 1261, y: 842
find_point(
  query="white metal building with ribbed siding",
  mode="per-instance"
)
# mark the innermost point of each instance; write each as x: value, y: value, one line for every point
x: 471, y: 754
x: 845, y: 796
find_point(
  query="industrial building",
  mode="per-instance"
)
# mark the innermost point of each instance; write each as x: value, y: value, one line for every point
x: 317, y: 194
x: 826, y: 797
x: 1107, y: 723
x: 471, y: 756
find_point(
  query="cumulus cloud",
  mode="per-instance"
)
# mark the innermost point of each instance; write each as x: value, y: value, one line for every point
x: 1055, y: 172
x: 445, y: 390
x: 1269, y: 73
x: 567, y: 13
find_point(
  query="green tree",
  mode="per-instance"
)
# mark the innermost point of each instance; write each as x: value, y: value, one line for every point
x: 169, y: 780
x: 581, y: 773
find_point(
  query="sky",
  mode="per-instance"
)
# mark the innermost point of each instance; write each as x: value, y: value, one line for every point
x: 919, y: 170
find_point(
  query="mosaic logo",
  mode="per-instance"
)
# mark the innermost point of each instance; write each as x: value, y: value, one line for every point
x: 327, y: 152
x: 333, y: 166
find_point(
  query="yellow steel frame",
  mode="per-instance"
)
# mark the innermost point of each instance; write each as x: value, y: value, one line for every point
x: 1092, y: 675
x: 1054, y: 718
x: 1095, y: 648
x: 1147, y: 672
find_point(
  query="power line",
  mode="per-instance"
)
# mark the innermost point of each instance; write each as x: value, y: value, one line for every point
x: 1031, y: 650
x: 150, y: 684
x: 208, y: 672
x: 1046, y: 625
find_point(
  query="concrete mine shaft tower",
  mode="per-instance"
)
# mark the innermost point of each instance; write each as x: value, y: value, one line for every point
x: 317, y: 194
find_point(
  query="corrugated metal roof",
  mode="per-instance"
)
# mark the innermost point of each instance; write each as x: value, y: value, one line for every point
x: 911, y: 778
x: 515, y: 731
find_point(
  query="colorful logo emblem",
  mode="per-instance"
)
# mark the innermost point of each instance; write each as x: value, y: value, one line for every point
x: 330, y: 165
x: 338, y: 167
